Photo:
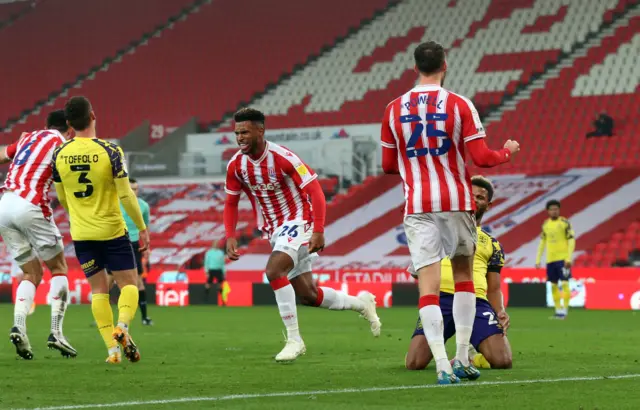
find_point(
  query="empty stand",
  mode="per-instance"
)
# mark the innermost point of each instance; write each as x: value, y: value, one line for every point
x: 8, y: 11
x: 194, y: 70
x: 493, y: 47
x: 553, y: 123
x: 61, y: 40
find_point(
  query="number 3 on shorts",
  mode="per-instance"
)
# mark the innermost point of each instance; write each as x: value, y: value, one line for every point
x: 491, y: 318
x: 292, y: 231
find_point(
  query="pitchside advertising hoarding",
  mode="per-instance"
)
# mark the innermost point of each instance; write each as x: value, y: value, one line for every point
x: 606, y: 288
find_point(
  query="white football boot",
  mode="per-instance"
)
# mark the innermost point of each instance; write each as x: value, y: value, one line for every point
x: 292, y: 349
x: 369, y: 312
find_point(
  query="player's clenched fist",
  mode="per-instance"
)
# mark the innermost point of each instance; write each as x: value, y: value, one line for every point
x: 317, y: 242
x: 232, y: 249
x: 512, y: 146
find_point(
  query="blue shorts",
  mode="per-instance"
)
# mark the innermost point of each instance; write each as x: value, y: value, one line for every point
x: 94, y: 256
x: 557, y: 272
x: 485, y: 324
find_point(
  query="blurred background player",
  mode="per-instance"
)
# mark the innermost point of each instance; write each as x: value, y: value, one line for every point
x: 91, y: 179
x: 559, y: 240
x: 423, y: 134
x: 30, y: 233
x: 134, y: 237
x: 214, y: 260
x: 489, y: 335
x: 292, y: 212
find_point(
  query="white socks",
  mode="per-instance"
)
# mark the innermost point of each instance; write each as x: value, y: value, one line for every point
x: 433, y: 326
x: 286, y: 299
x: 59, y: 292
x: 464, y: 313
x: 332, y: 299
x: 25, y: 295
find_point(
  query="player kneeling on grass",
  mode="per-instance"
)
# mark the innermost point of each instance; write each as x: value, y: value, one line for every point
x: 91, y: 179
x: 291, y: 214
x: 489, y: 328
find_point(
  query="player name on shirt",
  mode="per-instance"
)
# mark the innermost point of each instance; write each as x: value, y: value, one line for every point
x: 424, y: 99
x: 78, y: 159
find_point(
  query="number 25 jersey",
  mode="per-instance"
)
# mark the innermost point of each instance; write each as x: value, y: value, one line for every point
x: 429, y: 126
x: 87, y: 168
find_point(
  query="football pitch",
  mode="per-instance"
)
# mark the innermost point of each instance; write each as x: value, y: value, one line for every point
x: 206, y: 357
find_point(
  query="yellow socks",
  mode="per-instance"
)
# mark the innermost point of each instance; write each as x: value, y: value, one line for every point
x: 566, y: 291
x: 555, y: 292
x: 127, y: 305
x: 226, y: 289
x: 103, y: 315
x: 480, y: 362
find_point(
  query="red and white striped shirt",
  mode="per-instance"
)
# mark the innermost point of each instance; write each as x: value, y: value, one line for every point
x: 428, y: 126
x: 274, y: 184
x: 30, y: 172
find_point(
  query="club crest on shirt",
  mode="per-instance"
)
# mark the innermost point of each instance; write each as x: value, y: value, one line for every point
x: 245, y: 174
x: 272, y: 173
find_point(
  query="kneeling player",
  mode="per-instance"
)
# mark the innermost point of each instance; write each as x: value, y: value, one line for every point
x: 489, y: 328
x: 291, y: 213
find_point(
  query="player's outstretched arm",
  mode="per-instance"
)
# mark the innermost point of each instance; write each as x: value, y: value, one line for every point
x: 319, y: 204
x: 230, y: 217
x: 484, y: 157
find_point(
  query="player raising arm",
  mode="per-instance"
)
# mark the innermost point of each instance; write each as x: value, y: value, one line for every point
x: 91, y: 179
x: 290, y: 207
x: 30, y: 233
x: 491, y: 322
x: 558, y: 239
x: 424, y: 133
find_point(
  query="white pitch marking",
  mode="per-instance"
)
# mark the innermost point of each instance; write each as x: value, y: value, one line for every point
x: 337, y: 391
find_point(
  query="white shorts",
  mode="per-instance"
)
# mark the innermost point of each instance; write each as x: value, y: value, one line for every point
x: 435, y: 236
x: 293, y: 239
x: 24, y: 230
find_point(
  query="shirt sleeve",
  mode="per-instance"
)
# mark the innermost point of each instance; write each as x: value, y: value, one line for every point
x: 569, y: 230
x: 118, y: 163
x: 471, y: 125
x: 55, y: 173
x: 146, y: 213
x: 293, y: 166
x: 232, y: 186
x: 387, y: 139
x: 10, y: 150
x: 496, y: 262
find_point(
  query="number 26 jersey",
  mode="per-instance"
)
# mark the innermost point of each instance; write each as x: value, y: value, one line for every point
x: 429, y: 125
x: 87, y: 169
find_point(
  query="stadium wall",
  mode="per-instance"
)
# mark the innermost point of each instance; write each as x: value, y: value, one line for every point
x: 603, y: 288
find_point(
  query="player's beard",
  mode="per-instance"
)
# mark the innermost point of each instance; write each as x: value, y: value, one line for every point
x: 479, y: 214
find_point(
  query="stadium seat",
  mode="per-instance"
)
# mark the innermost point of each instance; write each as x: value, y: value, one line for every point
x: 61, y: 22
x: 219, y: 79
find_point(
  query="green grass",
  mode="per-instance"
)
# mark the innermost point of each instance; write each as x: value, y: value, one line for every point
x: 210, y: 352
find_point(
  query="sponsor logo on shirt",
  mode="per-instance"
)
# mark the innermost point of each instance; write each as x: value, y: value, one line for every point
x: 272, y: 186
x: 302, y: 170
